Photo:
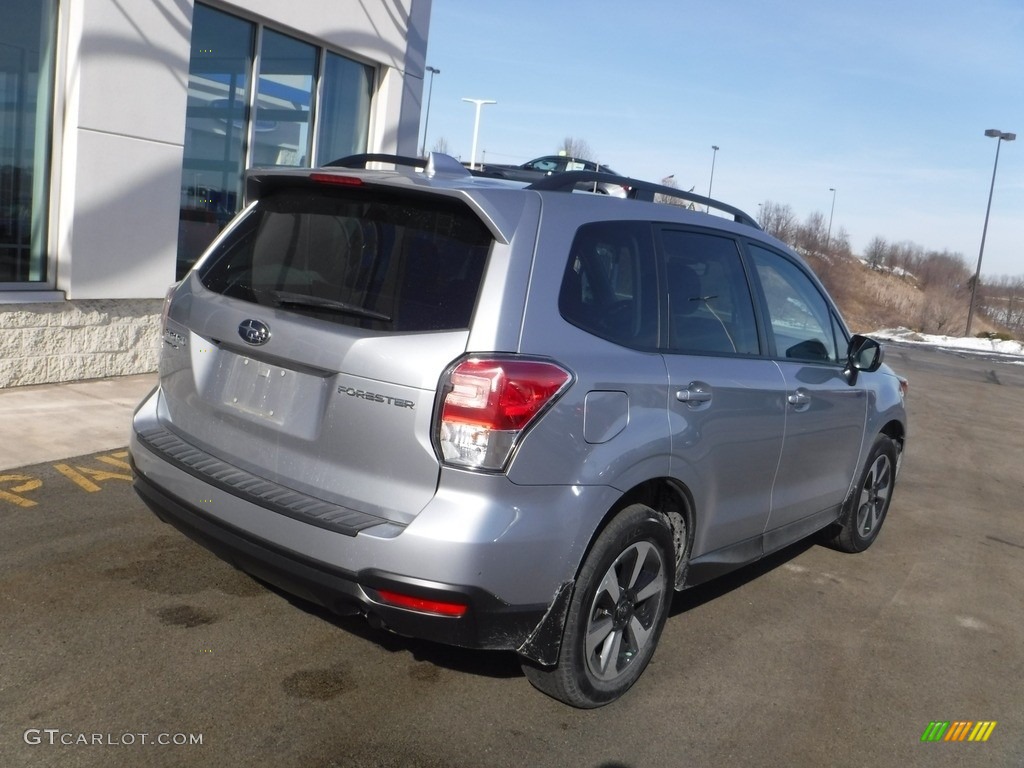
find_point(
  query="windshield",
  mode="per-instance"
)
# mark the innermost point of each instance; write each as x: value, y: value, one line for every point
x: 371, y: 259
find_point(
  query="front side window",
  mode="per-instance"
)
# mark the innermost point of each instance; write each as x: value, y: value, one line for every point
x: 27, y: 36
x: 710, y: 310
x: 801, y: 323
x: 373, y: 260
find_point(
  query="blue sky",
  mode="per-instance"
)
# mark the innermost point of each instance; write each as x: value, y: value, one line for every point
x: 886, y: 101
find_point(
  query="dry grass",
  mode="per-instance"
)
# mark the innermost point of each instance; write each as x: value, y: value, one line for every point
x: 871, y: 300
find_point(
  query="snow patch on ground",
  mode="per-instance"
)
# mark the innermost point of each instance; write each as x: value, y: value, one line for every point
x: 967, y: 344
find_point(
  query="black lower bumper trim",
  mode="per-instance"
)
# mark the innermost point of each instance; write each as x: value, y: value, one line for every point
x: 489, y: 623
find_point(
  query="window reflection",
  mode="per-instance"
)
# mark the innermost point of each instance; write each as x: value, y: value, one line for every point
x: 215, y: 127
x: 221, y: 135
x: 26, y: 86
x: 283, y: 97
x: 345, y: 106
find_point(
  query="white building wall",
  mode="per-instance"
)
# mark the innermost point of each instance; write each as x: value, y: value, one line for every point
x: 122, y: 134
x: 119, y: 127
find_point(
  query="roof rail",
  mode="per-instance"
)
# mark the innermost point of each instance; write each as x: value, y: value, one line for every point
x: 639, y: 190
x: 437, y: 163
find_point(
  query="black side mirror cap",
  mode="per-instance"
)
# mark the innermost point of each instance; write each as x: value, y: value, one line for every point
x: 863, y: 354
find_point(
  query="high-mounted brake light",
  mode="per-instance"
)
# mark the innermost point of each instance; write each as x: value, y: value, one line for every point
x: 489, y: 402
x: 438, y: 607
x: 331, y: 178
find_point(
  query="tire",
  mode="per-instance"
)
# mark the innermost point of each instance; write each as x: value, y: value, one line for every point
x: 618, y: 609
x: 865, y: 510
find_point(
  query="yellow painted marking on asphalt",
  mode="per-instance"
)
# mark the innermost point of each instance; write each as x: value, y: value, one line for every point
x: 116, y: 460
x: 26, y: 483
x: 99, y: 475
x: 77, y: 478
x: 87, y: 478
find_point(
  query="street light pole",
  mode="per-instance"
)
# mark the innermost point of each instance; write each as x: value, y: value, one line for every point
x: 711, y: 181
x: 1000, y: 137
x: 476, y: 126
x: 426, y: 119
x: 828, y: 237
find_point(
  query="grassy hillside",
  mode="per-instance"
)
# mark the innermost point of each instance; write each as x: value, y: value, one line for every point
x: 870, y: 300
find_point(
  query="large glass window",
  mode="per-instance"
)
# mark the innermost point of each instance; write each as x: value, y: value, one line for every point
x: 284, y: 94
x: 224, y: 135
x: 216, y: 122
x: 344, y: 108
x: 27, y: 35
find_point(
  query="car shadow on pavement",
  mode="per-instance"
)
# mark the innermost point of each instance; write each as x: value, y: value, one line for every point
x: 497, y: 664
x: 506, y: 664
x: 723, y: 585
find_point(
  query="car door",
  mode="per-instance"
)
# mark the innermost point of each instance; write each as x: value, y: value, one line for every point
x: 825, y: 415
x: 726, y: 412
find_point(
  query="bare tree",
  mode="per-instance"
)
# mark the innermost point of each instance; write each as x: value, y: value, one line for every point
x: 778, y: 220
x: 670, y: 181
x: 441, y: 145
x: 875, y: 253
x: 578, y: 148
x: 812, y: 235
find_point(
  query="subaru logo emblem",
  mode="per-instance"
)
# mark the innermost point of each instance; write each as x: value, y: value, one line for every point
x: 254, y: 332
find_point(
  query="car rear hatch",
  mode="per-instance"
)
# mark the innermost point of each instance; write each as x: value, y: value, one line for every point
x: 305, y: 349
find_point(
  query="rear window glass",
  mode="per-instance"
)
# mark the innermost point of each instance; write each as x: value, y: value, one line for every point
x: 609, y: 287
x: 370, y: 259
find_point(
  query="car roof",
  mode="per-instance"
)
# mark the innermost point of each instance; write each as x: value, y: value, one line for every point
x: 444, y: 174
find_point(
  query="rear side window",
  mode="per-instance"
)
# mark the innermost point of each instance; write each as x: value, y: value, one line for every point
x: 610, y: 283
x: 370, y: 259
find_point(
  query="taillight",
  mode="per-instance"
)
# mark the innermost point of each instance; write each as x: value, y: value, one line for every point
x: 333, y: 178
x: 488, y: 403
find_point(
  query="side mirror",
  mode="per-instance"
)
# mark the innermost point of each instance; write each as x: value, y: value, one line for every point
x: 863, y: 354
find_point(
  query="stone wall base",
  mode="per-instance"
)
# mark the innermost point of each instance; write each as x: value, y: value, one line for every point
x: 75, y: 340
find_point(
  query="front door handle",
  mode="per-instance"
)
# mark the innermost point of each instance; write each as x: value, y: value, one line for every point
x: 800, y: 399
x: 695, y: 393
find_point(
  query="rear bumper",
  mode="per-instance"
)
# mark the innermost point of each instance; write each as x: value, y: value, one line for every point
x: 488, y: 622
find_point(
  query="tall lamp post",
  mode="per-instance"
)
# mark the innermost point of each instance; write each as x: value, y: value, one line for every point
x: 476, y: 126
x: 1000, y: 137
x: 714, y: 154
x: 426, y: 120
x: 828, y: 237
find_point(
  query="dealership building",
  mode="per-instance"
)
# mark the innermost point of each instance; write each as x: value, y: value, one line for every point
x: 126, y: 127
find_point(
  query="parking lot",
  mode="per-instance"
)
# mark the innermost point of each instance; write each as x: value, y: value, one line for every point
x: 124, y: 643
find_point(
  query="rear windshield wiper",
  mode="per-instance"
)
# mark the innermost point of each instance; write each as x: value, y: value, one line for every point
x: 288, y: 299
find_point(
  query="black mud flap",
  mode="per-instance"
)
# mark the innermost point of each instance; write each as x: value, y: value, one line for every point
x: 544, y: 643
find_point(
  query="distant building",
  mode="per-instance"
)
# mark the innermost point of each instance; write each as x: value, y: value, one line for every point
x: 125, y: 130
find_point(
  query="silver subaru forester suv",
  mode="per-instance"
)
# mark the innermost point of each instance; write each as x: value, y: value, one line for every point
x: 509, y: 417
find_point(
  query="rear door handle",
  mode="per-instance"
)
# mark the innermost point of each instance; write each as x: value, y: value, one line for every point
x: 696, y: 392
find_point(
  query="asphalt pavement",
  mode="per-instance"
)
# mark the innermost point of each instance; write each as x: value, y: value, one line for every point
x: 47, y: 422
x: 124, y: 643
